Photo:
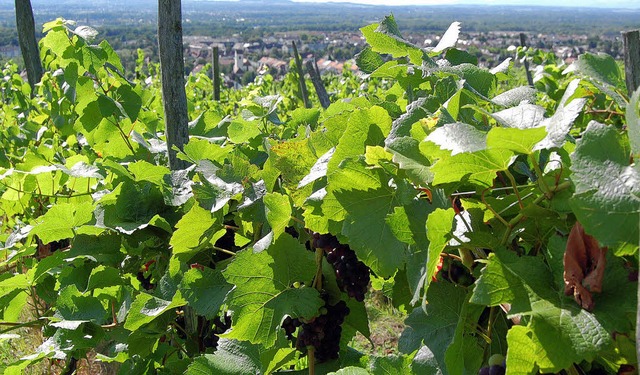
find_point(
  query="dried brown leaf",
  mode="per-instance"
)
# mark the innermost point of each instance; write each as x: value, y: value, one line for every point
x: 584, y: 264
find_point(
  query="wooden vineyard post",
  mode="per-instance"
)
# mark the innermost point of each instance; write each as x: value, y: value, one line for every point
x: 174, y: 97
x: 28, y: 43
x: 216, y: 74
x: 303, y: 85
x: 317, y: 83
x: 631, y: 41
x: 632, y: 59
x: 523, y: 43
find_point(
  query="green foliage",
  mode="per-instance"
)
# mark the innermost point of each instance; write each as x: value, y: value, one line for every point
x: 454, y: 187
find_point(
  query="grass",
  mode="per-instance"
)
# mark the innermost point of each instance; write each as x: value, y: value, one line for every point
x: 386, y: 323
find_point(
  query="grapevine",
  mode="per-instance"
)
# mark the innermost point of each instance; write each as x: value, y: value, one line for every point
x: 501, y: 220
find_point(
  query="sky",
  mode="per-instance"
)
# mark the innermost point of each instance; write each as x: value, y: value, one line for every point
x: 574, y: 3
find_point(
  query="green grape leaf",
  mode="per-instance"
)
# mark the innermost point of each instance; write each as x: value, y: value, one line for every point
x: 366, y: 213
x: 401, y: 127
x: 385, y: 38
x: 516, y: 96
x: 104, y: 277
x: 397, y: 364
x: 407, y: 222
x: 368, y: 61
x: 62, y: 220
x: 439, y: 229
x: 559, y: 125
x: 263, y: 290
x: 424, y: 362
x: 57, y: 41
x: 130, y: 101
x: 521, y: 141
x: 146, y: 308
x: 278, y: 212
x: 129, y: 207
x: 478, y: 167
x: 519, y: 357
x: 213, y: 191
x: 457, y: 57
x: 478, y: 79
x: 203, y: 149
x: 73, y: 305
x: 9, y: 283
x: 204, y: 290
x: 231, y: 357
x: 193, y: 231
x: 562, y: 332
x: 459, y: 138
x: 524, y: 116
x: 601, y: 67
x: 464, y: 354
x: 241, y: 131
x: 605, y: 186
x: 448, y: 40
x: 434, y: 326
x: 406, y: 153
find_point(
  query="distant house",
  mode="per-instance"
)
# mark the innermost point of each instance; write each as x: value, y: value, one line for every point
x: 273, y: 63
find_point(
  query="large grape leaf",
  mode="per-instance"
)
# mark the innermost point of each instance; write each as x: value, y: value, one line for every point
x: 72, y: 305
x: 520, y: 141
x: 368, y: 200
x: 146, y: 308
x: 398, y: 364
x: 435, y: 326
x: 519, y: 358
x: 385, y: 38
x: 62, y: 220
x: 516, y: 96
x: 562, y: 333
x: 194, y: 231
x: 129, y: 207
x: 523, y: 116
x: 606, y: 186
x: 601, y: 68
x: 231, y: 357
x: 278, y: 212
x: 263, y: 290
x: 204, y: 290
x: 559, y: 125
x: 439, y: 229
x: 366, y: 127
x: 478, y: 167
x: 458, y: 138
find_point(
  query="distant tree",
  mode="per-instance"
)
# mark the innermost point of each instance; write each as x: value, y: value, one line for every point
x: 248, y: 77
x: 174, y: 98
x: 28, y: 43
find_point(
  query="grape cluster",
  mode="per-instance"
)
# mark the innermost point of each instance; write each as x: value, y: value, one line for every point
x: 322, y: 332
x: 351, y: 274
x: 495, y: 366
x: 145, y: 282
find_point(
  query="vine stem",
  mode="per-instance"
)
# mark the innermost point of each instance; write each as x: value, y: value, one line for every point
x: 515, y: 187
x: 536, y: 168
x: 312, y: 360
x: 520, y: 216
x: 13, y: 326
x: 228, y: 252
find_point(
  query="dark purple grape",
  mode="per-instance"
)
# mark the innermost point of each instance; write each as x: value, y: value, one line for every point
x: 484, y: 371
x: 497, y: 370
